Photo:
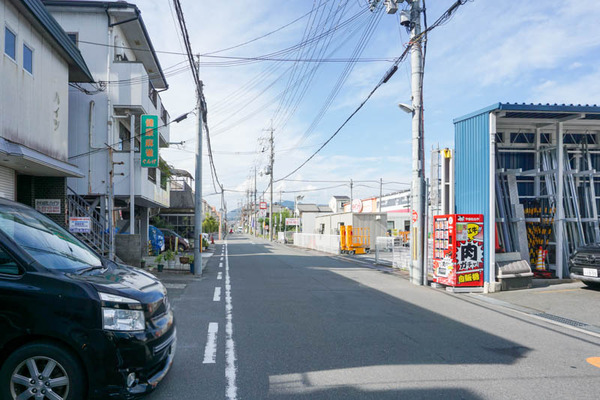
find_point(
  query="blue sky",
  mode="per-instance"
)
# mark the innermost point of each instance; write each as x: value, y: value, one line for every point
x: 490, y: 51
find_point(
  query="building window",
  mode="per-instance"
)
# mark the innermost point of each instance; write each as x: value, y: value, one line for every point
x: 10, y: 44
x: 27, y: 59
x: 152, y: 174
x: 74, y: 37
x: 153, y: 94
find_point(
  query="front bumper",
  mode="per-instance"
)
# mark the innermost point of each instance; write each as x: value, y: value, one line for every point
x: 115, y: 355
x: 584, y: 278
x: 153, y: 380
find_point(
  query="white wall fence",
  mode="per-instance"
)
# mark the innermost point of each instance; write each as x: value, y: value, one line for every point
x: 324, y: 243
x: 392, y: 251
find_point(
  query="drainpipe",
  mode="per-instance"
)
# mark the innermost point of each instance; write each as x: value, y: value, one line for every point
x: 90, y: 146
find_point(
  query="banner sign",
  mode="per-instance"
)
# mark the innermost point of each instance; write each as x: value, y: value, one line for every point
x: 48, y: 206
x: 149, y: 140
x: 80, y: 225
x: 292, y: 221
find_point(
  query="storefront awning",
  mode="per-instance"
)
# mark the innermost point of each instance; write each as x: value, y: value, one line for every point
x: 31, y: 162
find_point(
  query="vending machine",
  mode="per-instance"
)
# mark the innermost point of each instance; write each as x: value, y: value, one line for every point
x: 458, y: 249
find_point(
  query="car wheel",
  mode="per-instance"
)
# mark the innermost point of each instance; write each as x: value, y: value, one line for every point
x: 592, y: 285
x: 41, y: 371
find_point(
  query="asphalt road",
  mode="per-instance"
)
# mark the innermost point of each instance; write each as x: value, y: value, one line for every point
x: 294, y: 324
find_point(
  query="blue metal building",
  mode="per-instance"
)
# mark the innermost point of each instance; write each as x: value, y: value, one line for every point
x: 518, y: 146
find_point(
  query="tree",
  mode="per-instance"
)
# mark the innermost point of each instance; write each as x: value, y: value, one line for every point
x: 210, y: 224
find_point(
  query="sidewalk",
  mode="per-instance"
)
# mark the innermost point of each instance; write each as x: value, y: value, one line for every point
x: 566, y: 302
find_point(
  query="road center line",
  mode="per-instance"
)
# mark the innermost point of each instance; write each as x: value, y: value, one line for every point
x: 220, y: 265
x: 220, y: 276
x: 210, y: 351
x: 230, y: 368
x: 217, y: 295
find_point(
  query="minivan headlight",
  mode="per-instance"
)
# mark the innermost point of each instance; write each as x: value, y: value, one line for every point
x: 122, y: 320
x: 118, y: 315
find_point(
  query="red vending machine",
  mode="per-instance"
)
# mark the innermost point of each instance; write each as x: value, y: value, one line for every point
x: 458, y: 249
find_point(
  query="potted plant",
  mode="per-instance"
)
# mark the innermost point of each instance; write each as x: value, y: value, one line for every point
x: 170, y: 258
x: 184, y: 259
x: 192, y: 265
x: 159, y: 262
x: 205, y: 244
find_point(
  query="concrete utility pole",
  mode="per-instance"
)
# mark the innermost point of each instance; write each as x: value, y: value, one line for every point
x: 131, y: 174
x: 351, y: 194
x: 271, y: 173
x: 254, y: 205
x: 380, y: 193
x: 198, y: 184
x: 417, y: 272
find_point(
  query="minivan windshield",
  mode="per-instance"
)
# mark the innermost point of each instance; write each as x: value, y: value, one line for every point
x: 45, y: 241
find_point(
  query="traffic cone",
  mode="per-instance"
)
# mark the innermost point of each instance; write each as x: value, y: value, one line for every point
x: 212, y: 239
x: 540, y: 264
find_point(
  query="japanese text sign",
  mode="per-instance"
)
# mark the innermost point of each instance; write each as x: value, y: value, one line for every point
x: 149, y: 140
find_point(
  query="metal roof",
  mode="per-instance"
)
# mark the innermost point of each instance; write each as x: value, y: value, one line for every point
x: 538, y: 111
x: 35, y: 11
x: 148, y: 58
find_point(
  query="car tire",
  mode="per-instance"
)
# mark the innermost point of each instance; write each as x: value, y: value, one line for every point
x: 65, y: 374
x: 592, y: 285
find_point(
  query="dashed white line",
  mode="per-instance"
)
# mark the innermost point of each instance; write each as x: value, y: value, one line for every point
x: 220, y: 276
x: 217, y: 295
x: 221, y: 258
x: 230, y: 368
x: 210, y: 351
x: 220, y: 265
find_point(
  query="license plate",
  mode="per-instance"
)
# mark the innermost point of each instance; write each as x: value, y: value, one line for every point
x: 590, y: 272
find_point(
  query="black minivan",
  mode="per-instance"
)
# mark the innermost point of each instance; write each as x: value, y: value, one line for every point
x: 74, y: 325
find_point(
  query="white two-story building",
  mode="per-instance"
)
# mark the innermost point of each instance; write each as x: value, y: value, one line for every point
x: 114, y: 42
x: 38, y: 61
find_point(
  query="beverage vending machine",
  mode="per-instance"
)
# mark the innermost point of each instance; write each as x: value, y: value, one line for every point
x: 458, y: 249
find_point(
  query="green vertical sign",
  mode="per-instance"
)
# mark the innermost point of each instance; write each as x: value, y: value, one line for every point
x: 149, y: 140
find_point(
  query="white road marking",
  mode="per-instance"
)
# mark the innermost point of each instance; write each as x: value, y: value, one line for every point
x: 230, y: 368
x: 220, y: 265
x: 217, y: 295
x: 220, y: 276
x: 221, y: 258
x: 175, y: 285
x: 210, y: 351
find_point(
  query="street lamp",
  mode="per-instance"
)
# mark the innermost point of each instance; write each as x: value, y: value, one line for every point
x: 406, y: 108
x: 296, y: 212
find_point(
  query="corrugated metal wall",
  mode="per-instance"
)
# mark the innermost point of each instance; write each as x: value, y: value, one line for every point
x: 471, y: 163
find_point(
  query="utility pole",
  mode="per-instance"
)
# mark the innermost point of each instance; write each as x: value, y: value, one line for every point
x: 417, y: 272
x: 271, y: 173
x: 380, y: 193
x: 351, y: 194
x: 131, y: 174
x: 198, y: 184
x: 254, y: 205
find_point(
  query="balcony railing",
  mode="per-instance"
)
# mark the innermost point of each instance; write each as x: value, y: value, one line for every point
x: 138, y: 93
x: 144, y: 186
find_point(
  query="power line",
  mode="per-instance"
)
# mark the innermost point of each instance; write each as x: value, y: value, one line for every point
x: 120, y: 141
x: 443, y: 18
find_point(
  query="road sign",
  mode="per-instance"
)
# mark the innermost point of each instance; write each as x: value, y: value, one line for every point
x: 263, y: 205
x: 415, y: 216
x: 149, y: 140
